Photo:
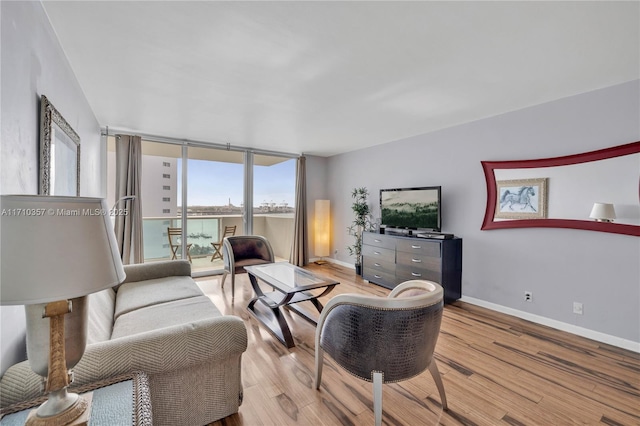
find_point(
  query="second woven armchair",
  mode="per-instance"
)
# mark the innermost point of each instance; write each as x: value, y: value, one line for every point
x: 383, y: 340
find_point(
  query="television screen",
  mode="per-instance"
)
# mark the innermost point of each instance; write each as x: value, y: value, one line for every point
x: 415, y: 208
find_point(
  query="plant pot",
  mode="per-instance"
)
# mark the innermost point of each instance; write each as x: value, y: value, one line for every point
x: 358, y: 269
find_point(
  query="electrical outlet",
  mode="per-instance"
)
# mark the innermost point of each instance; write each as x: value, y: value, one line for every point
x: 528, y: 296
x: 577, y: 308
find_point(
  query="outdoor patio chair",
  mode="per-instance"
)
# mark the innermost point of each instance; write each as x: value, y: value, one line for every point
x: 175, y: 242
x: 229, y: 231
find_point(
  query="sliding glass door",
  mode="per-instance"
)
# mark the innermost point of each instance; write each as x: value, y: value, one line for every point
x: 274, y: 186
x: 160, y: 186
x: 211, y: 190
x: 215, y: 188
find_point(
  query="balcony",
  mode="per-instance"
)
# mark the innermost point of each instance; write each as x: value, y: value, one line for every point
x: 204, y: 230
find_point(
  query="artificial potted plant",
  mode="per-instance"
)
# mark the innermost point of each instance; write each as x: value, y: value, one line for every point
x: 361, y: 222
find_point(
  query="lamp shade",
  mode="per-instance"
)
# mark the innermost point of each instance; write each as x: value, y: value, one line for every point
x: 322, y: 228
x: 603, y: 211
x: 55, y: 248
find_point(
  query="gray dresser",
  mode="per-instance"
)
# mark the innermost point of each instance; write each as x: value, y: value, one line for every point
x: 388, y: 260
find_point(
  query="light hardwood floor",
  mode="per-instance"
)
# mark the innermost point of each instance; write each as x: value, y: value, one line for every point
x: 496, y: 369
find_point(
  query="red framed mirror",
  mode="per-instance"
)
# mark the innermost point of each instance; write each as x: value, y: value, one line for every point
x: 490, y: 169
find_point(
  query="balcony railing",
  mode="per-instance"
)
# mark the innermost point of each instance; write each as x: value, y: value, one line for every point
x: 204, y: 230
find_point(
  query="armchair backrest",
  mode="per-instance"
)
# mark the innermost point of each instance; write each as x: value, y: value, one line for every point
x: 396, y: 335
x: 241, y: 247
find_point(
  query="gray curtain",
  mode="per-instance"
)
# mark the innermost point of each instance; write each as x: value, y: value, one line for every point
x: 128, y: 227
x: 299, y: 254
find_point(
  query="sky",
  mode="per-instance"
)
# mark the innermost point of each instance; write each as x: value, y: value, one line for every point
x: 214, y: 183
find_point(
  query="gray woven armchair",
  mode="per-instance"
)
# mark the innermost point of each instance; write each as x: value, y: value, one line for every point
x: 244, y: 250
x: 383, y: 340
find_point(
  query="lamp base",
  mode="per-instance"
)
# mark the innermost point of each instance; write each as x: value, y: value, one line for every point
x: 76, y: 415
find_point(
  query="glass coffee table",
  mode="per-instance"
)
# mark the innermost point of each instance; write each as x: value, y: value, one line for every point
x: 291, y: 285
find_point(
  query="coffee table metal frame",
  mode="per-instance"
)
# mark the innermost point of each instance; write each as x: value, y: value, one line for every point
x: 291, y: 285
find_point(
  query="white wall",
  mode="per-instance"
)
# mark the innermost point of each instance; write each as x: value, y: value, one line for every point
x: 559, y: 266
x: 33, y: 64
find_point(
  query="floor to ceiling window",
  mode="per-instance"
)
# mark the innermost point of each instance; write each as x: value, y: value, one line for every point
x: 212, y: 183
x: 215, y: 188
x: 274, y: 188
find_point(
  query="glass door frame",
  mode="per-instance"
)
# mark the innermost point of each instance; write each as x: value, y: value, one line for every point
x: 248, y: 154
x: 247, y: 212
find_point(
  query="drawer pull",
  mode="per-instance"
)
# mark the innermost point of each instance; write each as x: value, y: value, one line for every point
x: 416, y: 247
x: 415, y: 274
x: 376, y: 264
x: 416, y: 260
x: 376, y: 252
x: 378, y: 241
x: 377, y: 276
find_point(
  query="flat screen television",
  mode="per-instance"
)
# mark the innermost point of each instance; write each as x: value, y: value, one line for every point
x: 412, y: 208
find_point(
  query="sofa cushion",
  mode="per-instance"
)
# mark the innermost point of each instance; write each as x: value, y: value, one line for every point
x: 163, y: 315
x: 102, y: 305
x: 140, y: 294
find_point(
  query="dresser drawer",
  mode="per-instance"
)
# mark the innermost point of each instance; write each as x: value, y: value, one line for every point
x: 406, y: 273
x: 379, y: 271
x: 378, y: 265
x: 420, y: 246
x: 419, y: 261
x: 378, y: 253
x: 388, y: 281
x: 383, y: 278
x: 378, y: 240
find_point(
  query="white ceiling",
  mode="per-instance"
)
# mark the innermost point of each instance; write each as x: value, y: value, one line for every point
x: 330, y: 77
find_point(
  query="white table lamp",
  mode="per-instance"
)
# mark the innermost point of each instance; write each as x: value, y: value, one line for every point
x: 56, y: 251
x: 603, y: 212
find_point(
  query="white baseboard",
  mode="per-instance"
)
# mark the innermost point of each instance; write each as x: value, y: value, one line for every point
x: 559, y: 325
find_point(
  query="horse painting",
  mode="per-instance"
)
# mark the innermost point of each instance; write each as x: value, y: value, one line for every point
x: 521, y: 197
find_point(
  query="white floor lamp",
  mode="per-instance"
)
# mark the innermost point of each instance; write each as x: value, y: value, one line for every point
x: 322, y: 230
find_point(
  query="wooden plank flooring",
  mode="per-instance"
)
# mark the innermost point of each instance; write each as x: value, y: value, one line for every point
x: 496, y: 369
